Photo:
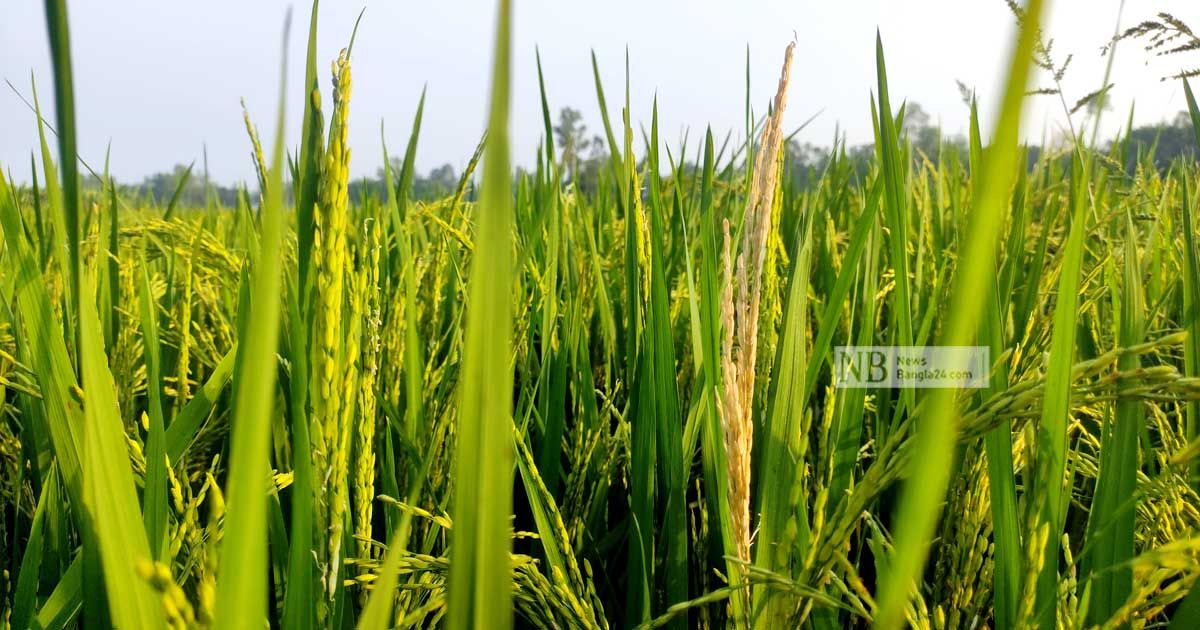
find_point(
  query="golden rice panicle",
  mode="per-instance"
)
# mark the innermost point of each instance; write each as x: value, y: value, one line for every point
x: 176, y: 607
x: 340, y: 465
x: 214, y: 532
x: 364, y: 477
x: 329, y: 371
x: 332, y: 255
x: 183, y: 373
x: 316, y: 400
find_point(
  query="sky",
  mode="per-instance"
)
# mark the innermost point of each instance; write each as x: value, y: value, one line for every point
x: 162, y: 79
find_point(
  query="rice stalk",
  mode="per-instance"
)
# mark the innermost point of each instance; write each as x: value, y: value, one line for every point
x: 740, y: 317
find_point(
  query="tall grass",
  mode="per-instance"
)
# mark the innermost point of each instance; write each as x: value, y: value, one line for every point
x: 929, y: 475
x: 539, y: 403
x: 480, y: 573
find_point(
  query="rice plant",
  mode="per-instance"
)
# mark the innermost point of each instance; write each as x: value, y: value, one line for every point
x: 534, y: 403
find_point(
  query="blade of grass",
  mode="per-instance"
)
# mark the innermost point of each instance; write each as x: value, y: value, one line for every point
x: 154, y: 497
x: 310, y: 158
x: 110, y: 288
x: 928, y: 472
x: 1191, y: 292
x: 553, y: 389
x: 1110, y: 526
x: 783, y: 523
x: 998, y: 441
x: 481, y: 573
x: 39, y: 217
x: 47, y: 354
x: 297, y: 608
x: 833, y: 307
x: 241, y: 598
x: 64, y: 111
x: 298, y: 611
x: 25, y: 597
x: 668, y: 421
x: 1056, y: 406
x: 65, y: 600
x: 186, y: 426
x: 408, y: 168
x: 848, y: 414
x: 179, y: 186
x: 895, y: 208
x: 59, y: 244
x: 110, y: 496
x: 712, y: 454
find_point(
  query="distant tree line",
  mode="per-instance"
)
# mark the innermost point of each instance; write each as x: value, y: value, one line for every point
x: 583, y: 157
x: 193, y: 192
x: 1167, y: 141
x: 440, y: 182
x: 181, y: 182
x: 1163, y: 143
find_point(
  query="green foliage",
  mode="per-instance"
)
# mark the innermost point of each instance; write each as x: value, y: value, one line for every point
x: 480, y: 569
x: 527, y: 385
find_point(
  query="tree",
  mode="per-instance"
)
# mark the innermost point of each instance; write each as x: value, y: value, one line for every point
x: 571, y: 134
x: 160, y: 187
x: 1168, y: 141
x: 916, y: 119
x: 925, y: 136
x: 441, y: 181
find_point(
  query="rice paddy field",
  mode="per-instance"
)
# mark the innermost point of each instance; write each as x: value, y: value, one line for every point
x: 531, y: 404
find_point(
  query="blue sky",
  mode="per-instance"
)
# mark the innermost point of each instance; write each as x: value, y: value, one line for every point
x: 163, y: 78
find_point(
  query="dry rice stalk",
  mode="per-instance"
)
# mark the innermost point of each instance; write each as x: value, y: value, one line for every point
x: 739, y: 430
x: 740, y: 318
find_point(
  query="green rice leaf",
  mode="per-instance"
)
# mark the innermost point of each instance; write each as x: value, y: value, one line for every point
x: 241, y: 599
x: 480, y: 570
x: 110, y: 496
x: 929, y: 474
x: 179, y: 186
x: 64, y: 111
x: 66, y: 600
x: 154, y: 497
x: 25, y: 597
